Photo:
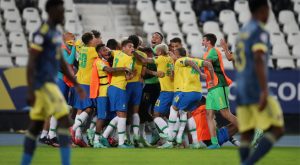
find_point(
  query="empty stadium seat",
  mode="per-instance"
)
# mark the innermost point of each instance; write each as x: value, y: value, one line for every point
x: 12, y: 14
x: 197, y: 50
x: 183, y: 5
x: 241, y: 6
x: 190, y: 27
x: 281, y: 50
x: 286, y: 16
x: 73, y: 26
x: 244, y: 17
x: 296, y: 53
x: 170, y: 27
x: 219, y: 36
x: 13, y: 26
x: 21, y: 61
x: 292, y: 27
x: 285, y: 63
x: 187, y: 17
x: 297, y: 7
x: 211, y: 27
x: 5, y: 61
x: 293, y: 39
x: 150, y: 27
x: 227, y: 16
x: 272, y: 26
x: 19, y: 49
x: 41, y: 4
x: 3, y: 38
x: 16, y: 37
x: 32, y: 25
x: 194, y: 38
x: 148, y: 15
x: 231, y: 39
x: 227, y: 64
x: 168, y: 16
x: 277, y: 38
x: 144, y: 4
x: 71, y: 14
x: 44, y: 15
x: 68, y: 4
x: 3, y: 49
x: 30, y: 13
x: 162, y: 5
x: 7, y: 4
x: 230, y: 28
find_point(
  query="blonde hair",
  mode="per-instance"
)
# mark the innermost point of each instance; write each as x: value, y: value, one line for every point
x: 163, y: 47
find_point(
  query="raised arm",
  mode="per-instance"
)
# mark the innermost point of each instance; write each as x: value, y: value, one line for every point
x: 143, y: 59
x: 33, y: 54
x: 228, y: 53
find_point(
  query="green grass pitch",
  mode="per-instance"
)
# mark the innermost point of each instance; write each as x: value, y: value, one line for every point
x: 10, y: 155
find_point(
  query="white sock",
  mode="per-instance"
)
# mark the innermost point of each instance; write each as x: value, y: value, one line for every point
x: 172, y: 120
x: 44, y: 134
x: 192, y: 129
x: 121, y: 126
x: 152, y: 127
x: 142, y: 130
x: 162, y: 124
x: 93, y: 123
x: 78, y: 133
x: 136, y: 124
x: 176, y: 127
x: 52, y: 129
x: 81, y: 119
x: 111, y: 126
x: 96, y: 138
x: 183, y: 120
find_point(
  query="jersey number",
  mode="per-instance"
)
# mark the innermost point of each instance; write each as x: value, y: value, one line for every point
x: 82, y: 60
x: 116, y: 62
x: 240, y: 57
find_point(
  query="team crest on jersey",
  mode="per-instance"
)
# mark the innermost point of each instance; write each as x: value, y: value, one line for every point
x: 264, y: 37
x: 38, y: 39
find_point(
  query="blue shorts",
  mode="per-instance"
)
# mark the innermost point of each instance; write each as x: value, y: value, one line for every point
x: 117, y: 99
x: 63, y: 87
x: 87, y: 102
x: 102, y: 107
x: 164, y: 102
x: 186, y: 101
x: 71, y: 100
x: 223, y: 135
x: 134, y: 92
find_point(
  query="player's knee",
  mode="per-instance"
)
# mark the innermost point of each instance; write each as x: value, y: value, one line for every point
x: 36, y: 127
x: 64, y: 122
x: 156, y: 114
x: 277, y: 131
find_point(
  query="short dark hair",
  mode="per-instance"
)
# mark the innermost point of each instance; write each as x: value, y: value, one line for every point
x: 135, y: 40
x: 146, y: 50
x: 112, y: 44
x: 99, y: 47
x: 182, y: 52
x: 53, y: 3
x: 125, y: 42
x: 254, y: 5
x: 96, y: 33
x: 87, y: 37
x: 211, y: 37
x: 176, y: 40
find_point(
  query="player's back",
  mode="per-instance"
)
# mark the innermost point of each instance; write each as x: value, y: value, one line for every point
x: 252, y: 37
x: 47, y: 40
x: 165, y: 64
x: 86, y: 58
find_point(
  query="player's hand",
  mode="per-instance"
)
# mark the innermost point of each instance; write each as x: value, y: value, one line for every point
x: 31, y: 98
x: 223, y: 44
x: 127, y: 70
x: 211, y: 83
x: 263, y: 100
x: 204, y: 76
x: 80, y: 91
x: 160, y: 74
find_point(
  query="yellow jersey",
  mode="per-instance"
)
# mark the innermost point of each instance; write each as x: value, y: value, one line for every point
x: 78, y: 44
x: 138, y: 67
x: 120, y: 60
x: 86, y: 59
x: 165, y: 64
x: 186, y: 78
x: 103, y: 78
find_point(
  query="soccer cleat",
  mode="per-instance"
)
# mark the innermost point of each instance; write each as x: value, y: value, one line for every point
x: 257, y: 136
x: 99, y: 145
x: 104, y: 141
x: 214, y: 146
x: 164, y: 136
x: 44, y: 140
x: 54, y: 142
x: 234, y: 141
x: 90, y: 136
x: 166, y: 145
x: 80, y: 143
x: 195, y: 146
x: 144, y: 142
x: 72, y: 132
x: 125, y: 146
x: 155, y: 139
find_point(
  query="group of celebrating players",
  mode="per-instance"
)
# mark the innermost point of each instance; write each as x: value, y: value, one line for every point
x: 126, y: 85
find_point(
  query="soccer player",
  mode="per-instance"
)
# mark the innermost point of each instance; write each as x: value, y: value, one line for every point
x: 86, y: 58
x: 113, y: 44
x: 256, y: 108
x: 101, y: 77
x: 165, y: 70
x: 98, y: 38
x: 175, y: 43
x: 217, y: 97
x: 117, y: 89
x: 187, y: 83
x: 45, y: 59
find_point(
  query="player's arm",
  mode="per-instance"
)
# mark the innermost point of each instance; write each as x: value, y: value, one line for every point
x: 159, y: 74
x: 228, y: 53
x: 210, y: 68
x: 261, y: 75
x: 143, y: 59
x: 33, y: 55
x: 117, y: 69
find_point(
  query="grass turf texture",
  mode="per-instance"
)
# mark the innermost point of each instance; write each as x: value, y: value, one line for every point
x: 45, y: 155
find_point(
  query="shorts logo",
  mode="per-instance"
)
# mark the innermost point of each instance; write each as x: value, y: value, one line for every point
x: 157, y: 103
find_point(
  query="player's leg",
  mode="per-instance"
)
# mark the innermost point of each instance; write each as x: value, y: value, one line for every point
x: 52, y: 132
x: 44, y: 135
x: 193, y: 131
x: 154, y: 92
x: 229, y: 116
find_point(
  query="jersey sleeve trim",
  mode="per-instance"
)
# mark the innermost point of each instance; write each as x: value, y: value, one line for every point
x: 36, y: 47
x: 259, y: 46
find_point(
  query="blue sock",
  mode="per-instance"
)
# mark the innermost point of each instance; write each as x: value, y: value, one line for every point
x: 244, y: 151
x: 223, y: 135
x: 65, y: 151
x: 264, y: 146
x: 29, y: 147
